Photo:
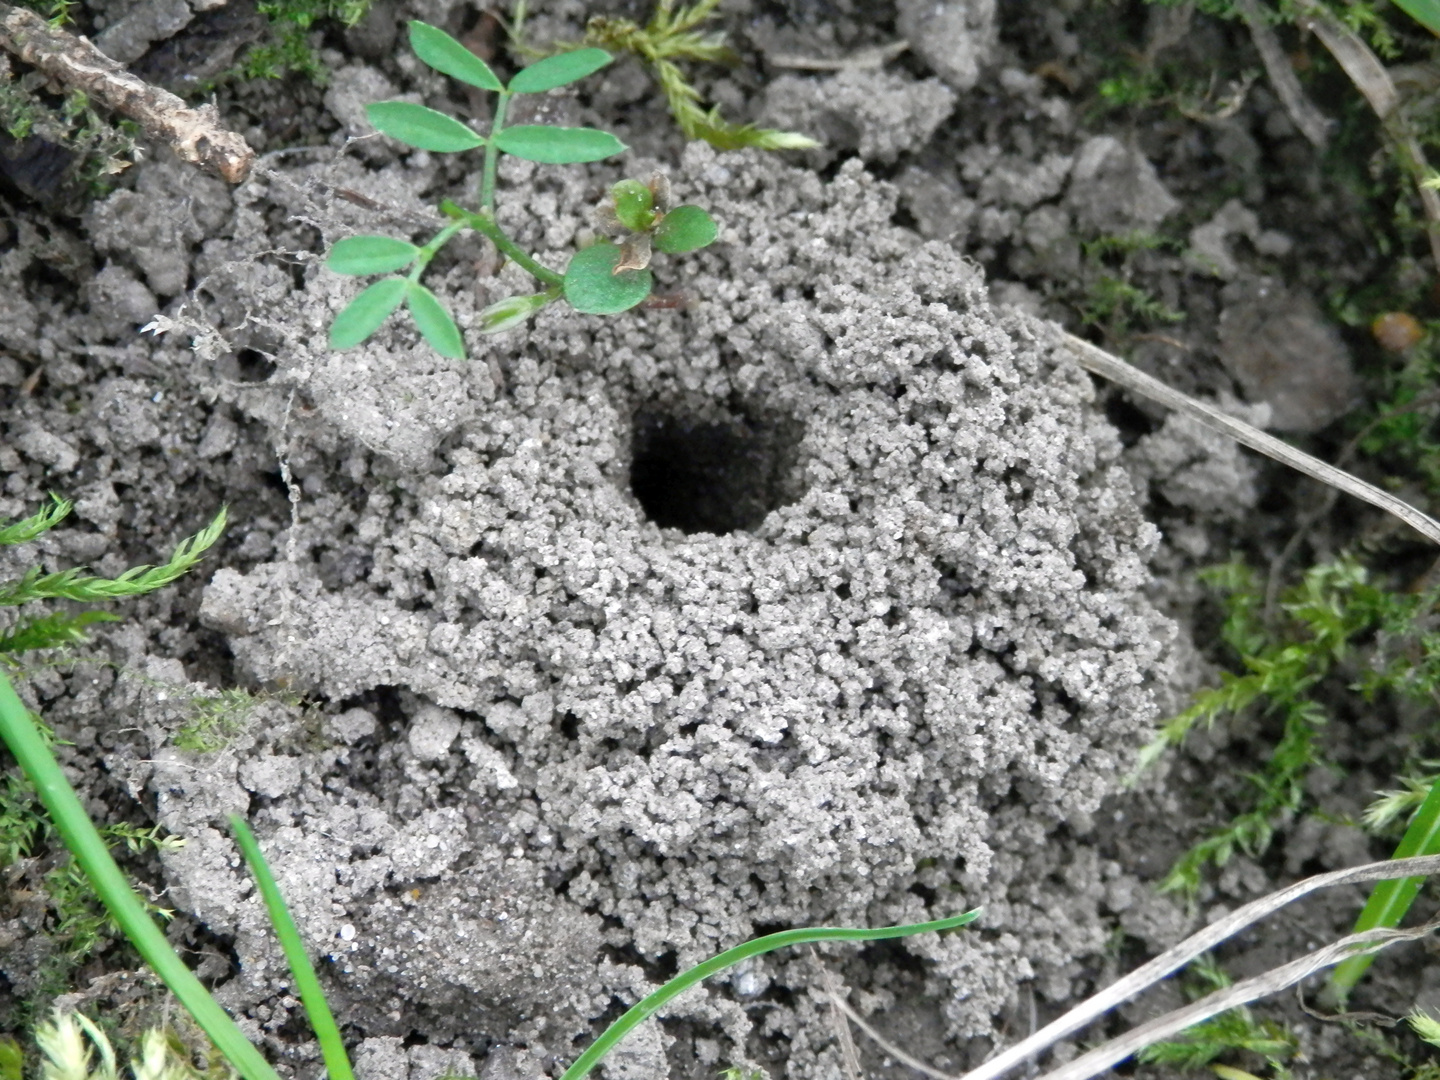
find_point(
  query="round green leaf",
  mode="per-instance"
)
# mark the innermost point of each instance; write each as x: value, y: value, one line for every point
x: 634, y: 203
x: 512, y: 311
x: 435, y: 323
x: 363, y: 315
x: 370, y: 255
x: 558, y: 145
x: 592, y: 286
x: 558, y: 70
x: 685, y: 228
x: 420, y: 127
x: 446, y: 55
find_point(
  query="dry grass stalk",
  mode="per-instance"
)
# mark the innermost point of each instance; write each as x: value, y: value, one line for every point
x: 1099, y: 362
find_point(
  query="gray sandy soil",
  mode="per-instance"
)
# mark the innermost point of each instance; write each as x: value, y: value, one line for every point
x: 832, y: 595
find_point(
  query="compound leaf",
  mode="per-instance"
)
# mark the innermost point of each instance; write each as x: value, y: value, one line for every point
x: 558, y: 145
x: 447, y: 56
x: 363, y: 315
x: 593, y: 287
x: 370, y: 255
x: 435, y: 323
x: 559, y: 70
x: 685, y: 228
x: 423, y: 128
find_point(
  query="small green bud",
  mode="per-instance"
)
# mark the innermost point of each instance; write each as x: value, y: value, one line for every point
x: 634, y: 205
x: 512, y: 311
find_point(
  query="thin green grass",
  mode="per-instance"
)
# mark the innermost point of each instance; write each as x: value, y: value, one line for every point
x: 322, y: 1020
x: 1390, y: 900
x: 89, y: 851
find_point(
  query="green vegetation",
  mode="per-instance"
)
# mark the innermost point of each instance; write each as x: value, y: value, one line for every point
x: 1113, y: 303
x: 671, y: 37
x: 215, y: 720
x: 102, y: 146
x: 287, y: 45
x: 1283, y: 663
x: 95, y: 879
x: 603, y: 279
x: 84, y: 841
x: 1234, y: 1032
x: 1286, y: 664
x: 66, y: 1054
x: 77, y: 923
x: 1390, y: 900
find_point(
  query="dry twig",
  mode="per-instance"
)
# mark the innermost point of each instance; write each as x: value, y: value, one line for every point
x: 1241, y: 993
x: 195, y: 134
x: 838, y: 1012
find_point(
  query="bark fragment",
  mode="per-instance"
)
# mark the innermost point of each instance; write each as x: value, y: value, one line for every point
x: 195, y: 135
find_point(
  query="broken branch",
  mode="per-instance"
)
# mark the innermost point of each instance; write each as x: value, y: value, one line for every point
x: 195, y: 135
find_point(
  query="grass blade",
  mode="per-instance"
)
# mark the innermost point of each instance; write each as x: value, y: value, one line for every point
x: 769, y: 943
x: 332, y: 1047
x: 1425, y: 12
x: 90, y: 852
x: 1390, y: 900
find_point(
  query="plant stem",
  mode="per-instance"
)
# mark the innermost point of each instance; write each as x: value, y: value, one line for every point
x: 90, y: 852
x: 430, y: 250
x: 485, y: 223
x: 492, y: 154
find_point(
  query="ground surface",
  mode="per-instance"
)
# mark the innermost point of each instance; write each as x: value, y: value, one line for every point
x: 829, y: 593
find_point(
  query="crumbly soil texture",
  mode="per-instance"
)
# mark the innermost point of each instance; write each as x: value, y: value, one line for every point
x: 827, y: 590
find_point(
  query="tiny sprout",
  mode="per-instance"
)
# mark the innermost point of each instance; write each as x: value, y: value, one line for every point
x: 603, y: 279
x: 644, y: 211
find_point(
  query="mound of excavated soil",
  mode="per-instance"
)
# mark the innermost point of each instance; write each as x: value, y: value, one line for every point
x: 815, y: 600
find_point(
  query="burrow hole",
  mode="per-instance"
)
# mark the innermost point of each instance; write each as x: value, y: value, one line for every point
x: 715, y: 471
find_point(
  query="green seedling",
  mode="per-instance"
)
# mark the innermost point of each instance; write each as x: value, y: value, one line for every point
x: 603, y: 279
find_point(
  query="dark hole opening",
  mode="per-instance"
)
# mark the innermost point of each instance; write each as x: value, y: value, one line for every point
x: 254, y: 366
x: 712, y: 476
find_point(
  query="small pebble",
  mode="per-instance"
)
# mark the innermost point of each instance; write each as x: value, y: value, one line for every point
x: 1397, y: 331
